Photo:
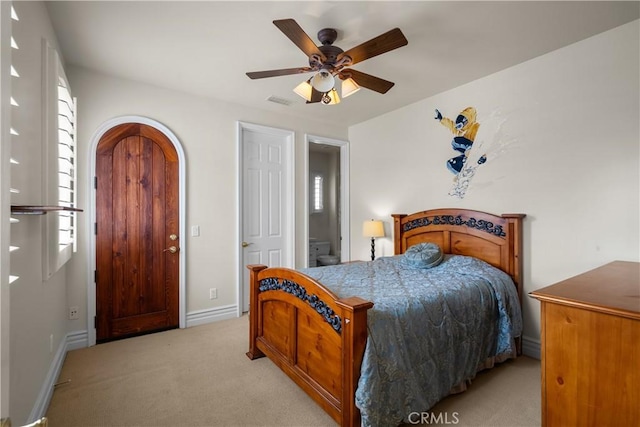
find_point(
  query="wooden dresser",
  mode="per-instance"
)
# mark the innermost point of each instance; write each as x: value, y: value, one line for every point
x: 590, y: 346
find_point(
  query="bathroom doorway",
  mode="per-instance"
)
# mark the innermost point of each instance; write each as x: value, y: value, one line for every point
x: 327, y: 201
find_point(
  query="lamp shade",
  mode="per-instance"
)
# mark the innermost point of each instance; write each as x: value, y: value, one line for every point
x: 323, y: 81
x: 373, y: 228
x: 304, y: 89
x: 349, y: 87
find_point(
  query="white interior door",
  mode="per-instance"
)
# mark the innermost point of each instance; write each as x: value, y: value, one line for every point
x: 266, y: 211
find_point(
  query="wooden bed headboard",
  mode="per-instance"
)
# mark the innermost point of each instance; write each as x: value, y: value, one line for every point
x: 491, y: 238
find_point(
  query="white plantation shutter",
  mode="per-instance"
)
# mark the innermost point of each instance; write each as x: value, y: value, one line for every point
x: 66, y: 165
x: 59, y: 162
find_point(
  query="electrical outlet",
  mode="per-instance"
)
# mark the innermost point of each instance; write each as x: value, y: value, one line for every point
x: 73, y: 313
x: 50, y: 343
x: 213, y: 293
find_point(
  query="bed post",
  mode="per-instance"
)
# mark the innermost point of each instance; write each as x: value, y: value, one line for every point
x: 515, y: 249
x: 354, y: 339
x: 253, y: 352
x: 397, y: 232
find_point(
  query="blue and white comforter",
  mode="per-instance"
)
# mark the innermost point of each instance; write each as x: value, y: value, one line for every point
x: 429, y: 330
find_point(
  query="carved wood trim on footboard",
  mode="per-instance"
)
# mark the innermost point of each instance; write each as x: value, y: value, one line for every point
x: 317, y: 339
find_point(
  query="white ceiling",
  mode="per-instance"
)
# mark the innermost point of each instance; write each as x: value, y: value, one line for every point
x: 205, y: 47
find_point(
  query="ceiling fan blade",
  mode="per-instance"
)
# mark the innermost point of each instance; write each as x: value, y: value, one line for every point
x: 275, y: 73
x: 316, y: 96
x: 296, y: 34
x: 390, y: 40
x: 370, y: 82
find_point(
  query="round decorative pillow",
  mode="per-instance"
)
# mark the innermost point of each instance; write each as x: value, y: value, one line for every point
x: 423, y: 255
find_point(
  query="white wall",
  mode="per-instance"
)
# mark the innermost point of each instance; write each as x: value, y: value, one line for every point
x: 38, y: 306
x: 573, y: 168
x: 207, y: 131
x: 5, y: 202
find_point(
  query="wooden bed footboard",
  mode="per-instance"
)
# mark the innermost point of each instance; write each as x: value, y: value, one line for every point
x: 317, y: 339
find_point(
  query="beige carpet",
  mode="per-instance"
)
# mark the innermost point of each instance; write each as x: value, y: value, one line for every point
x: 200, y: 376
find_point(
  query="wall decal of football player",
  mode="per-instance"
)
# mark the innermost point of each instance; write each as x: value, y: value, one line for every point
x: 464, y: 130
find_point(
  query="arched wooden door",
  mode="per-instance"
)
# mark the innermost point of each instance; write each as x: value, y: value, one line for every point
x: 137, y: 226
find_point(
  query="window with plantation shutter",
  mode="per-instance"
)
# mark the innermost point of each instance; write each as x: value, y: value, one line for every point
x: 59, y: 160
x: 66, y: 165
x: 58, y: 199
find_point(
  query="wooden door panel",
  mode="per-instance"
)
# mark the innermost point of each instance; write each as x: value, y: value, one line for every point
x: 104, y: 252
x: 156, y: 297
x: 137, y: 205
x: 122, y: 294
x: 141, y: 323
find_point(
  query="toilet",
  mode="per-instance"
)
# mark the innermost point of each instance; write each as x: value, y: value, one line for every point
x: 323, y: 256
x: 328, y: 260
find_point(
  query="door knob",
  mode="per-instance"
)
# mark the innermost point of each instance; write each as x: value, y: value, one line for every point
x: 171, y: 249
x: 245, y: 244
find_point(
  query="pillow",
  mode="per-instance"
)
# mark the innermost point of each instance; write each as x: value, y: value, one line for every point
x: 423, y: 255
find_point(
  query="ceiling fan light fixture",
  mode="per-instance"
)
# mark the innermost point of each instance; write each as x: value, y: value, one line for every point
x: 349, y: 87
x: 331, y: 97
x: 323, y: 81
x: 304, y: 89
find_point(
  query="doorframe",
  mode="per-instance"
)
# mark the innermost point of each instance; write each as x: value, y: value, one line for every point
x: 92, y: 218
x: 345, y: 233
x: 289, y: 201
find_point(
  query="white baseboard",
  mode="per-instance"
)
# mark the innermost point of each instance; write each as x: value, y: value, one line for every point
x: 531, y: 347
x: 77, y: 339
x: 210, y: 315
x: 72, y: 341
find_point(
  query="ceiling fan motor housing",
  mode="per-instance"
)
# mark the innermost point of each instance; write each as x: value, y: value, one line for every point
x: 331, y: 54
x: 327, y: 36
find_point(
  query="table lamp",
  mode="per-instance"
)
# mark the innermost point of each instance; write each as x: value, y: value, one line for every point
x: 373, y: 229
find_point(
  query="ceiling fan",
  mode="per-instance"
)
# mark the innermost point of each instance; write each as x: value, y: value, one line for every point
x: 330, y: 63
